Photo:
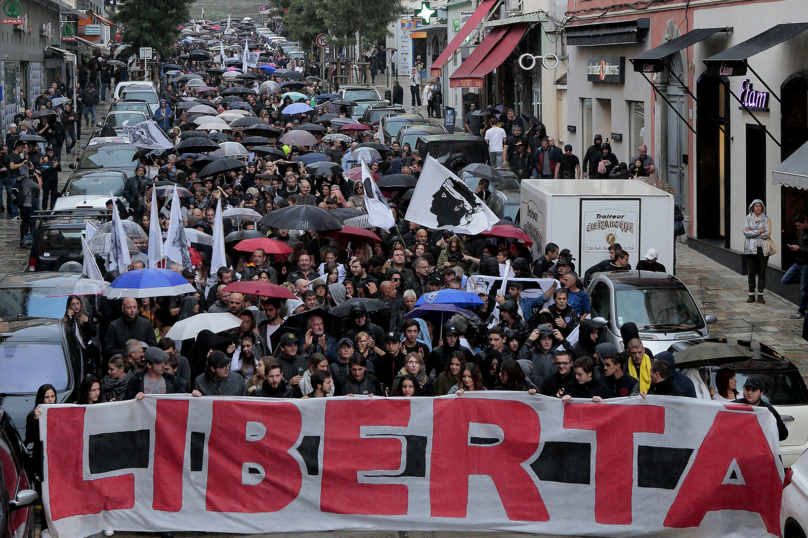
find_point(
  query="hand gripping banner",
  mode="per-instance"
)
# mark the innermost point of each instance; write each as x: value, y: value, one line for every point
x: 496, y: 461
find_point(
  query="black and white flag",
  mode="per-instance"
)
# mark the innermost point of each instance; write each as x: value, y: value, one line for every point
x: 379, y: 212
x: 147, y: 135
x: 442, y: 201
x: 175, y: 247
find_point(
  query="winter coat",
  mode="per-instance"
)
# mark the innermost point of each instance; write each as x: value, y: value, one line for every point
x: 368, y: 385
x: 443, y: 384
x: 232, y: 385
x: 781, y: 426
x: 284, y: 390
x: 543, y: 364
x: 552, y: 384
x: 665, y: 388
x: 623, y: 387
x: 292, y: 365
x: 590, y: 389
x: 115, y: 389
x: 759, y: 232
x: 174, y: 384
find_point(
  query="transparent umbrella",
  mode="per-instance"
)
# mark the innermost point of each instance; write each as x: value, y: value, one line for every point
x: 131, y: 229
x: 231, y: 149
x: 101, y: 244
x: 81, y: 286
x: 239, y: 214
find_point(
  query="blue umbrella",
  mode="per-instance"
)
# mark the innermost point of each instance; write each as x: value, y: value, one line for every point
x: 150, y: 282
x: 310, y: 158
x: 268, y: 69
x: 297, y: 108
x: 437, y: 313
x: 454, y: 297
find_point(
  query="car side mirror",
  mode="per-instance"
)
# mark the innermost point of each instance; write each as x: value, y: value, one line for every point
x: 710, y: 319
x: 99, y: 124
x: 25, y: 497
x: 386, y: 102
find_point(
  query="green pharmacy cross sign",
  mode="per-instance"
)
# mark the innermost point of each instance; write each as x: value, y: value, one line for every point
x: 426, y: 12
x: 12, y: 11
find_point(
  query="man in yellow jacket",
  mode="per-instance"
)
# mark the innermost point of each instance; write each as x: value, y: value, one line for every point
x: 639, y: 365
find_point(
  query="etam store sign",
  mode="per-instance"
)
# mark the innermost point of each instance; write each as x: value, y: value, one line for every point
x: 752, y: 99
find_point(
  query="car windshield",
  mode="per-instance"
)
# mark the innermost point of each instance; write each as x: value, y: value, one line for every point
x: 95, y: 185
x: 410, y: 139
x: 117, y: 120
x: 25, y: 367
x: 149, y: 97
x: 658, y: 309
x: 109, y: 157
x: 361, y: 95
x: 33, y: 302
x: 376, y: 115
x: 141, y: 107
x: 393, y: 127
x: 507, y: 183
x: 475, y: 151
x: 512, y: 211
x: 779, y: 387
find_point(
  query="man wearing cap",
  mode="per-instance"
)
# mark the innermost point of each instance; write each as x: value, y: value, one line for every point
x: 339, y: 368
x: 650, y: 263
x: 218, y: 380
x: 294, y: 366
x: 153, y: 379
x: 528, y: 305
x: 509, y: 147
x: 568, y: 165
x: 592, y: 158
x: 564, y: 264
x: 521, y: 161
x: 540, y: 350
x: 163, y: 116
x: 753, y: 395
x: 392, y: 361
x: 50, y: 169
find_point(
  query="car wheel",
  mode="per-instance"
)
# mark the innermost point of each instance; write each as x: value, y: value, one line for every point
x: 793, y: 530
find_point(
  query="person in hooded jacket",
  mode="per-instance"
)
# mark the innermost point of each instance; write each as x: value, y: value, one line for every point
x: 197, y: 356
x: 607, y: 159
x: 361, y: 321
x: 590, y: 334
x: 439, y: 356
x: 757, y: 248
x: 358, y: 381
x: 684, y: 383
x: 218, y: 380
x: 661, y: 381
x: 510, y: 320
x: 586, y: 385
x: 540, y: 350
x: 591, y: 158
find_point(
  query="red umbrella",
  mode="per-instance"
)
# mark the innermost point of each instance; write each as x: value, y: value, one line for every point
x: 355, y: 174
x: 354, y: 234
x: 196, y: 257
x: 354, y: 127
x: 269, y: 246
x: 260, y: 288
x: 512, y: 232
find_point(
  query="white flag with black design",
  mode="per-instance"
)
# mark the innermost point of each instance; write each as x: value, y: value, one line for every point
x: 379, y: 213
x: 219, y: 258
x: 244, y: 64
x: 147, y: 135
x: 119, y: 258
x: 155, y: 234
x: 176, y: 246
x: 222, y: 55
x: 443, y: 201
x: 89, y: 267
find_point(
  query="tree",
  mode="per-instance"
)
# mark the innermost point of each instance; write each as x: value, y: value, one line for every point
x: 152, y: 24
x: 304, y: 22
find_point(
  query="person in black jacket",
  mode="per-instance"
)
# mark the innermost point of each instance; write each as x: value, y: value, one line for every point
x: 564, y: 376
x: 620, y: 384
x: 50, y: 168
x: 592, y: 158
x: 585, y: 384
x: 153, y: 379
x: 89, y: 100
x: 358, y: 381
x: 398, y: 94
x: 661, y: 381
x: 753, y: 395
x: 608, y: 159
x: 544, y: 263
x: 130, y: 325
x: 684, y: 383
x: 275, y: 386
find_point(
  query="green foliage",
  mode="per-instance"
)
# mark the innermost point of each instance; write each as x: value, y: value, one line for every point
x: 303, y: 21
x: 215, y: 15
x: 152, y: 24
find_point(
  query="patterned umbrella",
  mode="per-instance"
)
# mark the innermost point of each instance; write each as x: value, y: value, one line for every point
x: 132, y: 230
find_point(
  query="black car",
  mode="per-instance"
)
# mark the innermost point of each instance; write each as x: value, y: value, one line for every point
x: 17, y: 494
x: 391, y: 125
x: 33, y: 352
x: 454, y: 151
x: 373, y: 115
x: 26, y: 295
x: 57, y: 239
x: 409, y: 135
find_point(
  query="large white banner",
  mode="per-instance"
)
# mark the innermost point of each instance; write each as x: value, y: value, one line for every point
x: 496, y: 461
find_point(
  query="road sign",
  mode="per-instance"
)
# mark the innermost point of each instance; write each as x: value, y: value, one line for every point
x: 261, y: 9
x: 322, y: 41
x: 145, y: 53
x: 12, y: 10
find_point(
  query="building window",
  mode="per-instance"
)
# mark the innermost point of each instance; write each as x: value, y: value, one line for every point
x: 636, y: 115
x: 586, y: 114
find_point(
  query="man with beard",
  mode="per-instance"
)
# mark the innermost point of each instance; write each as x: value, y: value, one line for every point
x: 275, y: 385
x: 304, y: 269
x: 272, y: 310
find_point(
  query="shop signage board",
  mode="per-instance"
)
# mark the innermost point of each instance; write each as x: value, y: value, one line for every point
x: 605, y: 224
x: 68, y: 32
x: 607, y: 70
x: 12, y: 12
x: 92, y: 29
x: 754, y: 100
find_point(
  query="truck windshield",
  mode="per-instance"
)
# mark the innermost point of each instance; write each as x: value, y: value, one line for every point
x: 658, y: 309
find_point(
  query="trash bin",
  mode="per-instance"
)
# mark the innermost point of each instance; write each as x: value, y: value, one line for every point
x: 388, y: 96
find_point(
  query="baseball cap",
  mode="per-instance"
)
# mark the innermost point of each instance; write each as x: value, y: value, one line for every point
x: 288, y: 339
x: 345, y: 341
x: 155, y: 355
x: 450, y: 328
x: 434, y: 278
x: 395, y: 336
x: 753, y: 382
x: 652, y: 254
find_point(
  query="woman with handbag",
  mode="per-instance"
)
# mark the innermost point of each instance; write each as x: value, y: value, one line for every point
x: 757, y: 248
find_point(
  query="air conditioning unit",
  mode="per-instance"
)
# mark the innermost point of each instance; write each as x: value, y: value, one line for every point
x: 513, y: 6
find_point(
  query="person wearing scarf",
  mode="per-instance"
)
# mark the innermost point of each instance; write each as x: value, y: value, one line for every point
x: 639, y: 364
x: 414, y: 366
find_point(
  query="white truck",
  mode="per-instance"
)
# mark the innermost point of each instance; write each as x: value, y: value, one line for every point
x: 586, y: 216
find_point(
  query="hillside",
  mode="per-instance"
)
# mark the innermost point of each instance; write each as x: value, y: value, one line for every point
x: 238, y: 9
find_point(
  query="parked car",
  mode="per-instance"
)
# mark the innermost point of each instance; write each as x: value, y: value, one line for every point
x: 784, y: 388
x: 794, y: 504
x: 455, y: 151
x: 131, y: 105
x: 356, y: 112
x: 392, y: 124
x: 140, y: 93
x: 26, y: 294
x: 117, y: 118
x: 506, y: 188
x: 374, y: 114
x: 91, y: 190
x: 360, y: 93
x: 409, y: 135
x: 35, y: 351
x: 112, y: 153
x: 57, y: 239
x: 139, y: 84
x: 17, y: 495
x: 660, y: 304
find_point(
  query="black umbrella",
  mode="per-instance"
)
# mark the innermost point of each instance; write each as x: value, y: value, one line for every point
x: 484, y: 112
x: 296, y: 324
x: 381, y: 148
x: 714, y: 354
x: 323, y: 168
x: 172, y: 66
x: 261, y: 129
x: 193, y: 134
x: 44, y: 112
x: 246, y: 76
x: 186, y: 105
x: 197, y: 145
x: 141, y: 153
x: 237, y: 90
x: 203, y: 161
x: 301, y: 217
x: 233, y: 99
x: 221, y: 137
x: 312, y: 128
x: 269, y: 153
x: 396, y: 182
x: 223, y: 165
x: 205, y: 102
x: 247, y: 121
x: 371, y: 305
x: 255, y: 141
x: 31, y: 138
x: 292, y: 75
x: 342, y: 102
x: 531, y: 117
x: 235, y: 237
x: 291, y: 84
x: 215, y: 71
x: 483, y: 170
x: 408, y: 195
x: 345, y: 213
x: 199, y: 55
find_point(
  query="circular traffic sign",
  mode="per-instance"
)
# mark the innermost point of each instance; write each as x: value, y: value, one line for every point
x: 12, y: 8
x: 322, y: 41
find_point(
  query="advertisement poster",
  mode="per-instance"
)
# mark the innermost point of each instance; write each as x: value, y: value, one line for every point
x: 405, y: 27
x: 605, y: 222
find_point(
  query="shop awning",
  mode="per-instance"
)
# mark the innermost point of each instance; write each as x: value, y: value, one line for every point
x: 495, y: 49
x: 61, y: 52
x: 732, y: 62
x: 607, y: 33
x: 475, y: 19
x: 652, y: 61
x: 91, y: 44
x: 793, y: 172
x: 101, y: 19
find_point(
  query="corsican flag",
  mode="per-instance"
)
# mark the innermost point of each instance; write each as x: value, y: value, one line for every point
x: 379, y: 213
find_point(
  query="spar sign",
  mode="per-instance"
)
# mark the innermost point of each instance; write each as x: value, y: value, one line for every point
x: 497, y: 461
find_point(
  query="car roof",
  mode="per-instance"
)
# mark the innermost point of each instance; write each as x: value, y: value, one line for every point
x: 642, y: 279
x: 38, y: 279
x: 25, y: 329
x: 407, y: 117
x: 91, y: 173
x: 111, y: 112
x: 110, y: 141
x: 452, y: 137
x: 424, y: 130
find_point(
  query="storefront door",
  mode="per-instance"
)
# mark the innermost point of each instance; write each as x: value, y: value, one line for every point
x: 677, y: 145
x: 794, y: 133
x: 713, y: 168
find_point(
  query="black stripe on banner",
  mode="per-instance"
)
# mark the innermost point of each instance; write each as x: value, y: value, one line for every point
x: 197, y: 450
x: 565, y: 462
x: 309, y: 450
x: 120, y: 450
x: 661, y: 467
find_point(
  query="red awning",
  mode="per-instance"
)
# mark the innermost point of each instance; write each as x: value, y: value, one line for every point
x: 476, y: 18
x: 458, y: 78
x: 502, y: 48
x: 101, y: 19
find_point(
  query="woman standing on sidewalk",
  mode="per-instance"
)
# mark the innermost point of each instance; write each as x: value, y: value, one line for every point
x: 757, y: 248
